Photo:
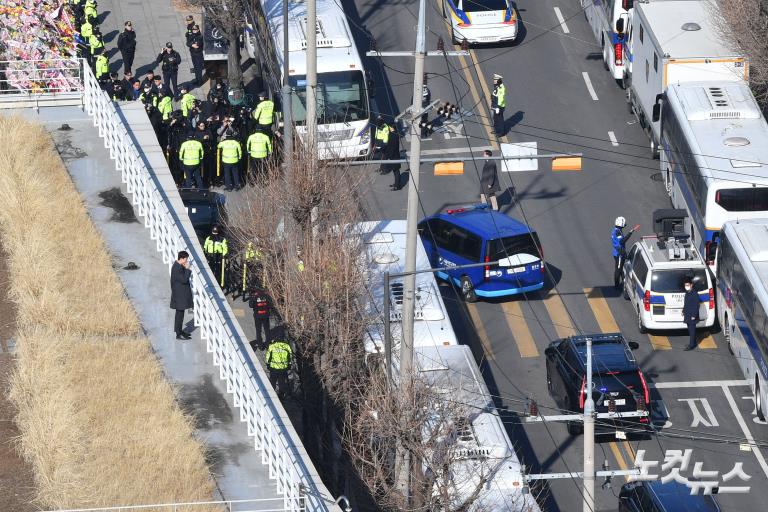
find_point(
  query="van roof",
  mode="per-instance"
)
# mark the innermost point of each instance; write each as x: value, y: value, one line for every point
x: 660, y: 255
x: 486, y: 223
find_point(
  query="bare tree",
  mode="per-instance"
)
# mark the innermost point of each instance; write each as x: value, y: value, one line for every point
x: 228, y: 16
x: 744, y: 24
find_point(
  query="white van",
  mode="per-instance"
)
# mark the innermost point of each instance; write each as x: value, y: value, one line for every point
x: 654, y: 273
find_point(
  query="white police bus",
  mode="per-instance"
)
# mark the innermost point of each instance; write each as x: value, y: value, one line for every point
x: 742, y: 301
x: 714, y: 156
x: 343, y: 111
x: 609, y: 20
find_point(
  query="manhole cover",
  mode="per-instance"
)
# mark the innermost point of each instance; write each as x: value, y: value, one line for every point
x: 657, y: 177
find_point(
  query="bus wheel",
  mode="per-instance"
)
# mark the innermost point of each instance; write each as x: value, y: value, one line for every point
x: 467, y: 290
x: 727, y: 334
x: 759, y: 400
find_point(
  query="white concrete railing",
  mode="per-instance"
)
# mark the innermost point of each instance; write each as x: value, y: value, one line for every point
x: 267, y: 422
x: 273, y: 505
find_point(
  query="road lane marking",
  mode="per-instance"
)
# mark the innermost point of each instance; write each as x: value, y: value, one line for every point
x: 745, y: 430
x: 513, y: 313
x: 619, y: 457
x: 659, y: 342
x: 698, y: 384
x: 587, y: 81
x: 239, y: 313
x: 487, y: 93
x: 558, y: 314
x: 601, y: 310
x: 480, y: 330
x: 561, y: 20
x: 614, y: 140
x: 708, y: 342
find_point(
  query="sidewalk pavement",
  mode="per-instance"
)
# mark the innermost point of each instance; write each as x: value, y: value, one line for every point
x: 235, y: 464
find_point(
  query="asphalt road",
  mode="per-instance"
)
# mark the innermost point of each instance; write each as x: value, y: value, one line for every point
x: 702, y: 403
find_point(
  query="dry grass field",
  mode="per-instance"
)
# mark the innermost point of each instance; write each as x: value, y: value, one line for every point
x: 99, y: 423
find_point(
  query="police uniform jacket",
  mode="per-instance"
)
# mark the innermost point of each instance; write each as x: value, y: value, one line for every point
x: 195, y: 38
x: 126, y: 41
x: 170, y: 60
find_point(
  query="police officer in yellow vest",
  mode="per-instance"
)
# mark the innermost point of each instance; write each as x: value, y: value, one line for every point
x: 264, y: 114
x: 381, y: 140
x: 102, y: 66
x: 216, y: 249
x: 187, y: 100
x: 259, y: 147
x: 230, y: 152
x: 251, y: 266
x: 91, y: 15
x: 191, y: 157
x: 498, y: 102
x: 165, y: 106
x: 278, y: 357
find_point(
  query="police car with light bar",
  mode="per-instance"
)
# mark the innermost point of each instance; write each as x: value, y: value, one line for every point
x: 655, y: 270
x: 481, y: 21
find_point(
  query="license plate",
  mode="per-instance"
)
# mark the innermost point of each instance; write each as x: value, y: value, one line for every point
x: 620, y: 401
x: 516, y: 270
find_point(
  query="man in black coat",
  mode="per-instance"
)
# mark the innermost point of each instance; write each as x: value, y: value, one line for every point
x: 126, y: 43
x: 691, y: 312
x: 181, y: 293
x: 170, y: 60
x: 195, y: 45
x: 489, y: 182
x: 392, y: 152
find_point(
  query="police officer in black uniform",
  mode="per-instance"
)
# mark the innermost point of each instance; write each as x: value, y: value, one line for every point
x: 195, y: 45
x: 170, y: 60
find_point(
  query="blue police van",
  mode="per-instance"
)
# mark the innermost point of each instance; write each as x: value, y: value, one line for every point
x: 477, y: 234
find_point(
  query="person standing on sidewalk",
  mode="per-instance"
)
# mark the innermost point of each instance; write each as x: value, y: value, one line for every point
x: 181, y: 293
x: 489, y: 182
x: 278, y: 358
x: 195, y: 45
x: 262, y: 307
x: 126, y: 43
x: 170, y: 60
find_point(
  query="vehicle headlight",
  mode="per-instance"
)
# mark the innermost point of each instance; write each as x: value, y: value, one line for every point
x: 365, y: 136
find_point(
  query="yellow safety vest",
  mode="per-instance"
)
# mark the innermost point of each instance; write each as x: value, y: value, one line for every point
x: 211, y: 246
x: 231, y: 151
x: 102, y: 66
x: 165, y: 107
x: 86, y: 30
x: 187, y: 102
x: 191, y: 152
x: 279, y: 355
x: 382, y: 134
x: 259, y: 145
x: 500, y: 94
x: 90, y: 12
x: 95, y: 42
x: 264, y: 112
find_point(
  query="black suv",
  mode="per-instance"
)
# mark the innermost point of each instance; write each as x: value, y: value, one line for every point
x: 657, y: 497
x: 205, y: 209
x: 616, y: 378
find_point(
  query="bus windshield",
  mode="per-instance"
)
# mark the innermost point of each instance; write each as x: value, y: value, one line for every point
x: 340, y: 97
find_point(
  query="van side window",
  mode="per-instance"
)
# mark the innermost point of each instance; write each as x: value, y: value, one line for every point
x: 641, y: 34
x: 640, y: 269
x: 631, y: 254
x: 463, y: 243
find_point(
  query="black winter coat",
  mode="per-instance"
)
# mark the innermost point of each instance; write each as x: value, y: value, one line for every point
x: 195, y: 38
x: 170, y: 60
x: 489, y: 181
x: 691, y: 306
x: 126, y: 41
x: 181, y: 291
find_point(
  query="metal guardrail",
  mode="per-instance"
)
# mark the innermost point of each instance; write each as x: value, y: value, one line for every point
x: 225, y: 505
x: 35, y: 83
x: 266, y: 420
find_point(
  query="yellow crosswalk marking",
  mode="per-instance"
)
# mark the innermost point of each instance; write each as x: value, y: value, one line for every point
x: 558, y: 314
x: 708, y: 342
x: 601, y: 310
x: 519, y: 328
x: 659, y: 342
x: 619, y: 456
x: 480, y: 330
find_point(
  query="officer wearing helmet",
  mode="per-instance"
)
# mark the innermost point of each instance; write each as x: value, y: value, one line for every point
x: 619, y: 241
x: 216, y: 249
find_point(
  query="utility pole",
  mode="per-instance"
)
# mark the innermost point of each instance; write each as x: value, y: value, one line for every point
x: 311, y: 35
x: 286, y: 97
x: 589, y: 437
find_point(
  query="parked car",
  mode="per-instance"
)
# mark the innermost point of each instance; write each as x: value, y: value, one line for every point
x: 205, y: 209
x: 618, y: 382
x: 654, y: 496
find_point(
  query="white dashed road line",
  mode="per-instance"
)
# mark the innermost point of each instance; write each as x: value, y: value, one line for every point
x: 587, y: 81
x: 614, y: 141
x: 699, y: 384
x: 561, y: 20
